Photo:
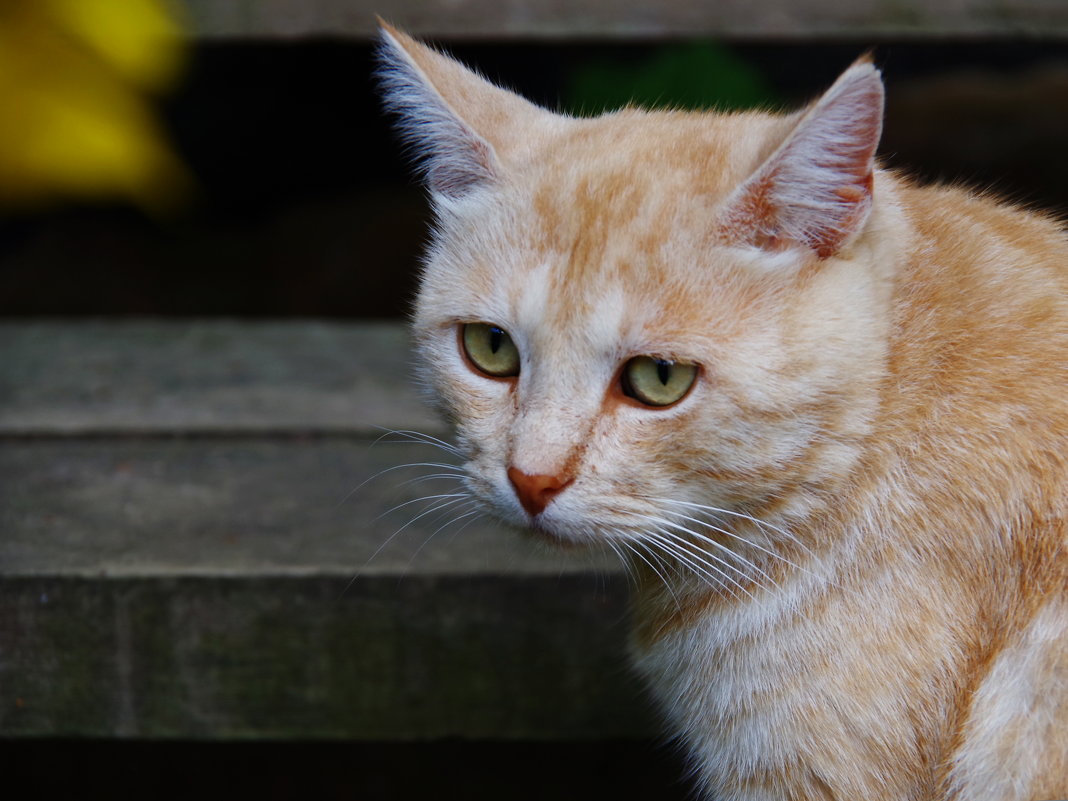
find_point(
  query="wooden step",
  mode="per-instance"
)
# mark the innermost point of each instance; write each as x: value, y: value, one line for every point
x: 196, y: 541
x: 781, y: 20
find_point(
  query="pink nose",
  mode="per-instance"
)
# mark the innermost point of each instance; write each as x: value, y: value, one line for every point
x: 535, y: 492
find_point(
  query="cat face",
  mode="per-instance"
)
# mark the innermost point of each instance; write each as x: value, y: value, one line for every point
x: 646, y: 319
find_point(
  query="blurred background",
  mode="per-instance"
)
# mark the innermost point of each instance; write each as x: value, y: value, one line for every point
x: 191, y: 172
x: 229, y: 160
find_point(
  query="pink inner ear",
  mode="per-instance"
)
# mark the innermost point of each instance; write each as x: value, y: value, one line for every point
x: 816, y: 189
x: 857, y: 198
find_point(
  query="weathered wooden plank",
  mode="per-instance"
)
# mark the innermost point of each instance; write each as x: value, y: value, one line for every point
x: 287, y: 506
x: 269, y: 657
x: 619, y: 19
x: 206, y: 376
x: 221, y: 588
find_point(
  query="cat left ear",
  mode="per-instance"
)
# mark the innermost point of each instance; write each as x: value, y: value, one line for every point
x: 815, y: 190
x: 457, y: 122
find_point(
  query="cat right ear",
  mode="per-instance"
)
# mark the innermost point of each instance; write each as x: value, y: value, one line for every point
x: 456, y: 122
x: 815, y: 190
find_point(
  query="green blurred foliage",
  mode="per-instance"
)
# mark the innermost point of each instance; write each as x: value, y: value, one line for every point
x: 695, y: 75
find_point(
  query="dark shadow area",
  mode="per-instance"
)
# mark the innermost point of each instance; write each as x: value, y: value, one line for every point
x: 446, y: 771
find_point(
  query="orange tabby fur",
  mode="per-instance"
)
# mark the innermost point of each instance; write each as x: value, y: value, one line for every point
x: 879, y: 610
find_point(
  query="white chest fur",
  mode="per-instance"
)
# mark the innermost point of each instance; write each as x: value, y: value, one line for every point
x: 787, y: 696
x: 728, y: 685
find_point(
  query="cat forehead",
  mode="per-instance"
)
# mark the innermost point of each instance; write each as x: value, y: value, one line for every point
x: 635, y: 151
x: 625, y: 192
x: 596, y: 292
x: 621, y: 206
x: 551, y: 312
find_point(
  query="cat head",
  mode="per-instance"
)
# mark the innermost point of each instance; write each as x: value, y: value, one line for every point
x: 637, y: 317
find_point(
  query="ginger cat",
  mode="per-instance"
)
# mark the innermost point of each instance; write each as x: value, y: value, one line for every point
x: 821, y: 412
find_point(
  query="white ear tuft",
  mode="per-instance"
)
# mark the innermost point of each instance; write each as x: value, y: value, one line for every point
x: 452, y: 156
x: 816, y: 189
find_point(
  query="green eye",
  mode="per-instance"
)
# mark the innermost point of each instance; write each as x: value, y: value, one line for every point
x: 490, y: 349
x: 657, y: 382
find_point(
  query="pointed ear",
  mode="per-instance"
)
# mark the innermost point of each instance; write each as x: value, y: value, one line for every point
x: 455, y: 121
x: 815, y: 190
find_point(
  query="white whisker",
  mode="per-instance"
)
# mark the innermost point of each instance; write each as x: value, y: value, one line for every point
x: 748, y: 542
x: 763, y: 524
x: 446, y: 524
x: 459, y: 476
x: 473, y: 515
x: 687, y: 553
x: 443, y: 510
x: 636, y: 547
x: 380, y: 473
x: 454, y: 499
x: 392, y: 509
x: 615, y: 549
x: 726, y: 532
x: 682, y: 557
x: 449, y: 511
x: 710, y: 541
x: 418, y: 437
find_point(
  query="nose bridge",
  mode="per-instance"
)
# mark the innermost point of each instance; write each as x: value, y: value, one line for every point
x: 551, y: 427
x: 561, y: 390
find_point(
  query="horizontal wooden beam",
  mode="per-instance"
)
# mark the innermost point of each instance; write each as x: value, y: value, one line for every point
x: 204, y: 535
x: 787, y: 20
x: 285, y: 506
x: 207, y: 377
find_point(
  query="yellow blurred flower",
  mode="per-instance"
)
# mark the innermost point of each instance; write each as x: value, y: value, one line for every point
x: 76, y: 78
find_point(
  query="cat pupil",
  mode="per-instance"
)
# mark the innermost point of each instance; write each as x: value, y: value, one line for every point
x: 496, y: 334
x: 663, y: 371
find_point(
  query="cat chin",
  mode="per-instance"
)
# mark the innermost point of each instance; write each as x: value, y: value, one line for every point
x: 555, y: 537
x: 545, y: 535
